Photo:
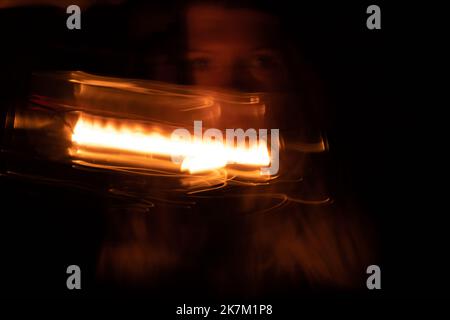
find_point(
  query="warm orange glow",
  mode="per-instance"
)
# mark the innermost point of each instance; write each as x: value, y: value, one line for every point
x: 128, y: 140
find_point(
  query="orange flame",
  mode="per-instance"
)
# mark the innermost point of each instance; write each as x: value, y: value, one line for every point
x: 131, y: 140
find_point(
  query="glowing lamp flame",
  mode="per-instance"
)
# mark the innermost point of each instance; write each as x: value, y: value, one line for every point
x: 196, y: 156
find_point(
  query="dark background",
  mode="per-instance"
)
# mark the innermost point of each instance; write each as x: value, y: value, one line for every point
x: 374, y: 132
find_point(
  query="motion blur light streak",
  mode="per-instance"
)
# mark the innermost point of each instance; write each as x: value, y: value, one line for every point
x: 198, y: 155
x: 146, y: 140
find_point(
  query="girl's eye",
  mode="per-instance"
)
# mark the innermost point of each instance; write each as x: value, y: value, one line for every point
x: 200, y: 63
x: 263, y: 61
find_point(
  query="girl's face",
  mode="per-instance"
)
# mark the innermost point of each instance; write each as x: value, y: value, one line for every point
x: 233, y: 48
